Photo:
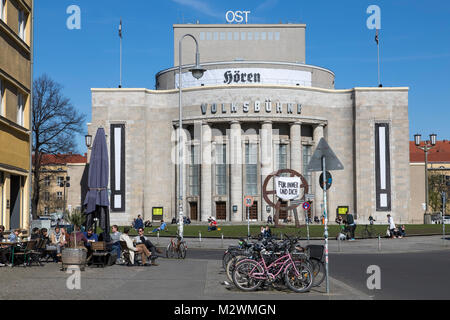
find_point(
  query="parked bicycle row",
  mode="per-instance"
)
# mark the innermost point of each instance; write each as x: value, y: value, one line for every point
x: 273, y: 262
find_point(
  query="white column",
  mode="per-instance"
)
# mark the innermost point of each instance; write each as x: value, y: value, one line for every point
x: 236, y: 197
x: 205, y: 194
x: 266, y: 163
x: 296, y: 147
x: 318, y: 192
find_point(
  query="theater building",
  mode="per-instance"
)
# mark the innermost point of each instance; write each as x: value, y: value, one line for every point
x: 258, y: 108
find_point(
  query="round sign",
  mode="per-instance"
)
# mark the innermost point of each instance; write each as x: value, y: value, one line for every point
x: 248, y: 201
x: 329, y: 180
x: 306, y: 205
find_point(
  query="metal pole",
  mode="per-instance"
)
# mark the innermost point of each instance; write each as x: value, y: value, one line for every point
x: 444, y: 202
x: 199, y: 239
x: 222, y: 240
x: 339, y: 244
x: 248, y: 223
x: 120, y: 85
x: 326, y: 222
x: 158, y: 236
x: 426, y: 177
x: 379, y: 243
x: 379, y: 73
x: 307, y: 225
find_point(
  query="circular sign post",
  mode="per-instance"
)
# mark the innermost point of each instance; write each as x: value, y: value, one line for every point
x: 248, y: 202
x: 306, y: 206
x: 329, y: 180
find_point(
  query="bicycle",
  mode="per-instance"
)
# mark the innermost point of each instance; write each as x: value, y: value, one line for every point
x: 249, y: 274
x: 368, y: 232
x: 177, y: 248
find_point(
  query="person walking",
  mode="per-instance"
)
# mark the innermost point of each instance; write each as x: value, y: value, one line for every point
x: 391, y: 226
x: 351, y: 225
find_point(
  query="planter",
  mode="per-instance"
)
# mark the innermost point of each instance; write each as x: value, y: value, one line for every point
x: 73, y: 257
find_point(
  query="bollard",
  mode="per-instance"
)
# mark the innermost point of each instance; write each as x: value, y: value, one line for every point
x: 158, y: 236
x: 339, y: 244
x: 379, y: 243
x: 281, y: 236
x: 199, y: 239
x: 222, y: 240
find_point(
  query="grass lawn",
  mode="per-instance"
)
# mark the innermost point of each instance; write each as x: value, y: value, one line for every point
x: 315, y: 231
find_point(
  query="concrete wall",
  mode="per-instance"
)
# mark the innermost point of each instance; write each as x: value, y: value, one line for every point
x: 289, y: 48
x: 417, y: 187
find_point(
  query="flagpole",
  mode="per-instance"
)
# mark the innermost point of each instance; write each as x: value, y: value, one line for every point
x: 378, y: 54
x: 120, y: 35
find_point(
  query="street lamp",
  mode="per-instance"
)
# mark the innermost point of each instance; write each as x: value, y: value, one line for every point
x: 197, y: 72
x: 88, y: 140
x: 428, y: 145
x: 65, y: 183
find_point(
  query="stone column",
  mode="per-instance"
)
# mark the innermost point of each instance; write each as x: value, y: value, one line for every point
x: 266, y: 163
x: 206, y: 181
x: 236, y: 171
x: 296, y: 147
x: 317, y: 190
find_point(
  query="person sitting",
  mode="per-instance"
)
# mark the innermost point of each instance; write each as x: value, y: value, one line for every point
x: 91, y: 236
x: 212, y: 225
x: 115, y: 242
x: 148, y: 244
x: 4, y: 250
x: 140, y: 249
x: 162, y: 227
x: 14, y: 236
x: 188, y: 221
x: 138, y: 222
x: 76, y: 237
x: 174, y: 220
x: 269, y: 219
x: 35, y: 234
x: 371, y: 220
x: 316, y: 219
x: 148, y: 224
x: 402, y: 231
x: 267, y: 232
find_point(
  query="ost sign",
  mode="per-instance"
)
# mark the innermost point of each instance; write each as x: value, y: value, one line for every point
x: 237, y: 16
x: 288, y: 188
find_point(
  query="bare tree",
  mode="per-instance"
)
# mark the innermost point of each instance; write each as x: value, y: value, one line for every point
x: 55, y: 124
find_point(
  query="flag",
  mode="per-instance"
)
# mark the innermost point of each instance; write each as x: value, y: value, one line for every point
x: 120, y: 28
x: 376, y: 37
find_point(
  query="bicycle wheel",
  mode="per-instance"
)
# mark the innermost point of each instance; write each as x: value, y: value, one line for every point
x: 171, y: 251
x: 226, y: 258
x: 318, y: 269
x: 181, y: 251
x: 298, y: 277
x: 243, y: 275
x: 231, y: 265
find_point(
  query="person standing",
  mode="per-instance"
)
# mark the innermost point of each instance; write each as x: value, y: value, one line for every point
x: 351, y: 225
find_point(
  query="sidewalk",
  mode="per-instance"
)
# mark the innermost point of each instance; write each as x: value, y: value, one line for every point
x: 360, y: 246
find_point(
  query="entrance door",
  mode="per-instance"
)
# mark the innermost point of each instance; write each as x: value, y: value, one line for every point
x: 221, y: 210
x: 14, y: 219
x: 193, y: 210
x: 254, y: 211
x: 283, y: 211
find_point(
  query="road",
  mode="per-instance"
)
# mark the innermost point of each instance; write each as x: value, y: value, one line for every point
x: 421, y: 275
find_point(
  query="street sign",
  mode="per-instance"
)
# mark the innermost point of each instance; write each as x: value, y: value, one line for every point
x: 329, y: 180
x: 324, y: 150
x: 306, y: 206
x: 248, y: 201
x: 309, y: 196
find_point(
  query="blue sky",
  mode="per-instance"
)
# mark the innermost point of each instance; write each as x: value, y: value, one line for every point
x: 415, y: 46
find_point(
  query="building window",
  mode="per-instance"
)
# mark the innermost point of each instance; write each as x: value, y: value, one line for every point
x: 256, y: 35
x: 216, y: 36
x: 60, y: 181
x: 263, y: 36
x: 46, y: 210
x: 222, y: 36
x: 270, y: 35
x: 277, y: 36
x: 202, y: 36
x: 20, y: 108
x: 194, y: 171
x: 221, y: 169
x: 208, y: 36
x: 3, y: 10
x: 59, y: 195
x: 46, y: 196
x: 1, y: 97
x: 47, y: 181
x: 306, y: 151
x: 236, y: 36
x: 243, y: 34
x: 250, y: 36
x: 22, y: 24
x: 281, y: 156
x: 251, y: 167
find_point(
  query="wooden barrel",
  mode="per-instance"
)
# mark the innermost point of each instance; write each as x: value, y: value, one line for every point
x: 73, y: 257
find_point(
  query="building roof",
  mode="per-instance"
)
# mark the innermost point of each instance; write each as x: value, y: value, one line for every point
x: 439, y: 153
x: 62, y: 159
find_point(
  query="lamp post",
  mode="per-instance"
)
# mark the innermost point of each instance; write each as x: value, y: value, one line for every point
x: 428, y: 145
x: 197, y: 72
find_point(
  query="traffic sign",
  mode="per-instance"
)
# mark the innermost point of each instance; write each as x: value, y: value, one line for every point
x: 329, y: 180
x: 248, y: 201
x: 306, y: 206
x: 324, y: 150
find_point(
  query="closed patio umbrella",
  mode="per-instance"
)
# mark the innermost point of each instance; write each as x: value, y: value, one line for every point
x: 96, y: 202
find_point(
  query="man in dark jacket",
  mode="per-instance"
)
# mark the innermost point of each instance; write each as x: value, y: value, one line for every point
x: 351, y: 225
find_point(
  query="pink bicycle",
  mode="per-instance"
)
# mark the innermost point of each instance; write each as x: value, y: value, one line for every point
x: 249, y: 275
